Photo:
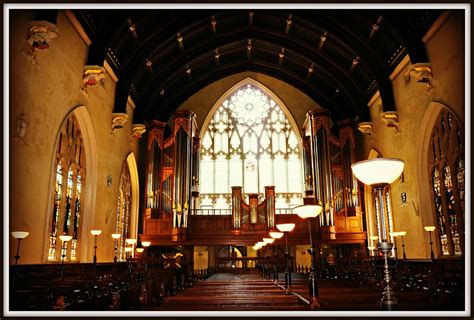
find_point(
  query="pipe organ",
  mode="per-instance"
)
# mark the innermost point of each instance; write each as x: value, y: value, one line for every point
x: 173, y: 214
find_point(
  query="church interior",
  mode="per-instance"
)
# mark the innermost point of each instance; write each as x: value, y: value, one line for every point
x: 308, y: 160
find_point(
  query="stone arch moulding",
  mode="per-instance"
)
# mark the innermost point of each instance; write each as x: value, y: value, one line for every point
x: 90, y: 150
x: 267, y: 91
x: 132, y: 168
x: 425, y: 195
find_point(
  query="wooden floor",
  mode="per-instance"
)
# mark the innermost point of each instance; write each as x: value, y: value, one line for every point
x: 249, y: 292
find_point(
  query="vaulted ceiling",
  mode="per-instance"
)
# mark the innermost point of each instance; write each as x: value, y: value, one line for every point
x: 340, y: 58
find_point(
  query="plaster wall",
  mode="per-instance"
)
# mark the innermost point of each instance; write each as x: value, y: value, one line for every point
x: 46, y: 93
x: 201, y: 258
x: 303, y: 258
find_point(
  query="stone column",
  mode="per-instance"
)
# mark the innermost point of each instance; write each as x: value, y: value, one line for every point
x: 321, y: 162
x: 184, y: 127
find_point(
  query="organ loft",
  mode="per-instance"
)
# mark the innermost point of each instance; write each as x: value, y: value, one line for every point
x: 168, y: 160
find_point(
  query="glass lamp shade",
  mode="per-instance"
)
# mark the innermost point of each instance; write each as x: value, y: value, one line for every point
x: 285, y: 227
x: 96, y: 232
x: 255, y: 248
x: 131, y: 241
x: 394, y: 234
x: 65, y: 238
x: 429, y: 228
x: 20, y: 234
x: 375, y: 238
x: 146, y: 243
x: 261, y: 244
x: 268, y: 240
x: 402, y: 233
x: 308, y: 211
x: 128, y: 249
x: 140, y: 250
x: 378, y: 171
x: 116, y: 235
x: 371, y: 248
x: 276, y: 234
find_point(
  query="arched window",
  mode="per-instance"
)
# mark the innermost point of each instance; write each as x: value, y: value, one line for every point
x: 69, y: 182
x: 249, y: 142
x: 122, y: 225
x: 447, y: 178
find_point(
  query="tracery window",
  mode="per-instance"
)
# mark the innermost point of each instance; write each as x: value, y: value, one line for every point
x: 69, y: 182
x: 447, y: 178
x: 249, y: 142
x: 122, y: 225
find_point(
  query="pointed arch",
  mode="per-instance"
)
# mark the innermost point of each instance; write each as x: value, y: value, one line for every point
x: 250, y: 139
x: 266, y: 90
x: 132, y: 167
x: 88, y: 189
x: 424, y: 174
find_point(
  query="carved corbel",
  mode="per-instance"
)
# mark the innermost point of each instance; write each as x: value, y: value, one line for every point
x: 118, y: 120
x: 390, y: 119
x: 365, y: 127
x: 92, y: 76
x: 421, y: 72
x: 138, y: 130
x: 40, y: 35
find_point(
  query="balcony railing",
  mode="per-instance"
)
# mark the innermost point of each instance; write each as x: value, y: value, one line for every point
x: 228, y: 212
x: 211, y: 212
x: 284, y: 211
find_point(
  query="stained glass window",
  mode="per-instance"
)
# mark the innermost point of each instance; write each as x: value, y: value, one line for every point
x: 249, y: 142
x: 66, y: 209
x: 122, y: 225
x: 53, y: 237
x: 447, y: 178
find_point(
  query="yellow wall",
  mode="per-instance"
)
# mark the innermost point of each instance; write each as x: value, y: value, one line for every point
x: 446, y: 52
x: 201, y: 258
x: 46, y: 93
x: 303, y: 258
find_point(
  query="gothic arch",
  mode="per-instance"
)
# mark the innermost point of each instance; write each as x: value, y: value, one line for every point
x: 266, y: 90
x: 87, y: 131
x: 132, y: 167
x: 426, y: 199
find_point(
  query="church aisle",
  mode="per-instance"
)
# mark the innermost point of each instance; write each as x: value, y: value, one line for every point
x: 233, y: 292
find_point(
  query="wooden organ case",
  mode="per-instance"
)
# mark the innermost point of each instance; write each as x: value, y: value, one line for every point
x: 170, y: 217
